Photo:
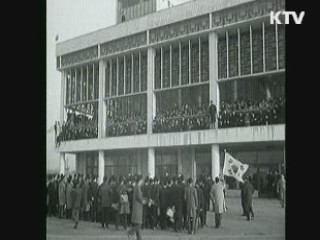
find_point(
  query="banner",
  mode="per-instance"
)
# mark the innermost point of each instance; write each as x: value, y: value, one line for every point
x: 234, y: 168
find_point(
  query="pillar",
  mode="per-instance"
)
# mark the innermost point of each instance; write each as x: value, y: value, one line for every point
x: 215, y: 161
x: 100, y: 167
x: 284, y: 161
x: 62, y: 96
x: 235, y: 90
x: 213, y: 68
x: 151, y: 101
x: 139, y: 166
x: 151, y: 162
x: 62, y: 163
x: 101, y: 107
x: 193, y: 164
x: 179, y: 161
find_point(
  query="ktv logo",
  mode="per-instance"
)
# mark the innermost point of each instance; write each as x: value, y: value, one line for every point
x: 297, y: 19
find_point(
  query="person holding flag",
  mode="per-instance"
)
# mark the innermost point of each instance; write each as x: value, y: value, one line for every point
x: 248, y: 190
x: 234, y: 168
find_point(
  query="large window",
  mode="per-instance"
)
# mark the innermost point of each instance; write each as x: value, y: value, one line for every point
x: 92, y: 162
x: 166, y: 162
x: 81, y: 106
x: 121, y: 163
x: 252, y: 101
x: 182, y: 109
x: 261, y: 47
x: 182, y: 63
x: 126, y: 115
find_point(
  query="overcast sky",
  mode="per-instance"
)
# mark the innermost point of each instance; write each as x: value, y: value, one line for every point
x: 68, y: 19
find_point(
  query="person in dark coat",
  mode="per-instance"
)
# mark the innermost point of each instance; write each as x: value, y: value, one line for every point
x: 213, y: 114
x: 191, y: 198
x: 93, y: 187
x: 155, y: 196
x: 105, y: 200
x: 248, y: 190
x: 120, y: 190
x: 205, y: 196
x: 137, y: 209
x: 85, y: 192
x: 208, y: 186
x: 146, y: 194
x: 242, y: 199
x: 178, y: 199
x: 69, y: 197
x: 130, y: 187
x: 124, y: 208
x: 183, y: 186
x: 76, y: 202
x: 52, y: 197
x: 201, y: 202
x: 163, y: 199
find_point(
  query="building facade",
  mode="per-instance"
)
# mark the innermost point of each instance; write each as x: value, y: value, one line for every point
x: 136, y: 95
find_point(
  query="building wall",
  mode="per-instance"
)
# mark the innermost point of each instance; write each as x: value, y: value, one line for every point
x: 151, y: 21
x: 53, y: 157
x: 271, y: 133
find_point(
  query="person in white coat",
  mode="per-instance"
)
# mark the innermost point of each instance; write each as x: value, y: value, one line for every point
x: 217, y: 197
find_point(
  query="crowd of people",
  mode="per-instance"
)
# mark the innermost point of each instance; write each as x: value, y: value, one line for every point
x: 167, y: 202
x: 252, y: 113
x: 267, y: 185
x: 150, y: 203
x: 185, y: 118
x: 76, y: 127
x: 122, y: 125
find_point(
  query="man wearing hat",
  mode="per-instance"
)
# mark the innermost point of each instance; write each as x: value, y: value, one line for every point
x: 247, y: 191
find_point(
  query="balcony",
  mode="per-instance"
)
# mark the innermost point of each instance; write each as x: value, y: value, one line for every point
x: 269, y: 133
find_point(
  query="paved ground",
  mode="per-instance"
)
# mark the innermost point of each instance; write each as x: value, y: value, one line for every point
x: 269, y: 223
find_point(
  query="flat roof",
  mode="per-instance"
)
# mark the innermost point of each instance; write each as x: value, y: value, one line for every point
x: 154, y: 20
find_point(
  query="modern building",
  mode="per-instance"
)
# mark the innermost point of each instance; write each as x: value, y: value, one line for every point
x: 140, y: 90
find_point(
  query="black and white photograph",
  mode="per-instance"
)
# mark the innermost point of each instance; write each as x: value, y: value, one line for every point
x: 166, y: 119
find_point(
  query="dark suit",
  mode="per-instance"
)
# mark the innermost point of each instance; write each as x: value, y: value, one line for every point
x: 177, y: 201
x: 248, y: 190
x: 154, y: 195
x: 77, y: 199
x: 106, y: 199
x: 93, y: 188
x: 137, y: 210
x: 146, y: 213
x: 163, y: 197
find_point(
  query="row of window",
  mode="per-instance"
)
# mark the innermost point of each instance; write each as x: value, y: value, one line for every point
x: 82, y: 84
x: 263, y: 46
x: 127, y: 74
x: 182, y: 63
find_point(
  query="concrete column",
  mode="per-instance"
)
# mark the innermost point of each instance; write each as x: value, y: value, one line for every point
x: 213, y: 67
x: 179, y: 161
x: 215, y: 161
x: 62, y: 96
x: 101, y: 106
x: 151, y: 100
x: 193, y: 164
x: 151, y: 163
x: 235, y: 90
x: 284, y: 161
x: 139, y: 166
x: 62, y: 163
x: 101, y: 167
